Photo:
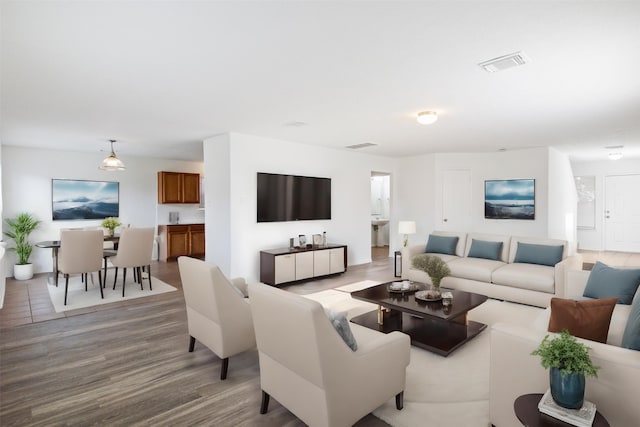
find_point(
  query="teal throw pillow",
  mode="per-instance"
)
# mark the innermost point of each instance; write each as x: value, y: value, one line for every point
x: 609, y: 282
x: 485, y: 249
x: 529, y: 253
x: 341, y: 325
x: 631, y: 337
x: 441, y: 244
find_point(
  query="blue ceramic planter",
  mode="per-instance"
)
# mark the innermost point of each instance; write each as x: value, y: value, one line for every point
x: 567, y: 390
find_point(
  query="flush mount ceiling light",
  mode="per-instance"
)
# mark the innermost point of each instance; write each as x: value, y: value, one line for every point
x: 617, y: 154
x: 427, y: 117
x: 112, y: 163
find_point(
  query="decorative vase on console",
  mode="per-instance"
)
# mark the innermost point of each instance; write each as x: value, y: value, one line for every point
x: 435, y: 268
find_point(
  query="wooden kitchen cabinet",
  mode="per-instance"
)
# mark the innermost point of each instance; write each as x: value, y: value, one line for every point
x: 196, y: 234
x: 183, y: 239
x: 178, y: 187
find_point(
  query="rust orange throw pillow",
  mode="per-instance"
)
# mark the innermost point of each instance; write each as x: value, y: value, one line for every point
x: 585, y: 319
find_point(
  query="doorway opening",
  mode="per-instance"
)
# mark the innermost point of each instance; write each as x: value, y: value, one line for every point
x: 380, y: 213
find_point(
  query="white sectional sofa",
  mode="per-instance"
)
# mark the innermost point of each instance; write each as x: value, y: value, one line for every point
x: 514, y: 372
x: 503, y: 278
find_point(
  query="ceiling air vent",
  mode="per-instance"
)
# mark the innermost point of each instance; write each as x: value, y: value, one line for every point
x: 504, y: 62
x: 363, y: 145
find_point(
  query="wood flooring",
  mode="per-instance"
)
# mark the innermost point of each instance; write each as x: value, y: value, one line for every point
x: 127, y: 364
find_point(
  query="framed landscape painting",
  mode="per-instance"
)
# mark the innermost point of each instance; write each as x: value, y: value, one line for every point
x: 510, y: 199
x: 79, y: 199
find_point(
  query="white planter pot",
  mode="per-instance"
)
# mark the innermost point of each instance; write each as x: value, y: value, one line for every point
x: 23, y: 272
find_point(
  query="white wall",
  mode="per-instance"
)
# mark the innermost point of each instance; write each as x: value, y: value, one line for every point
x: 3, y: 257
x: 27, y: 174
x: 415, y: 191
x: 594, y: 239
x: 563, y: 199
x: 420, y: 180
x: 519, y: 164
x: 350, y: 174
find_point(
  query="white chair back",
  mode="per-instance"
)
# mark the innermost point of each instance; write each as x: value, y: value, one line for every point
x: 135, y: 247
x: 80, y: 251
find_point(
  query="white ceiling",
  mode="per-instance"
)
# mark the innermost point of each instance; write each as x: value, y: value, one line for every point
x: 161, y: 76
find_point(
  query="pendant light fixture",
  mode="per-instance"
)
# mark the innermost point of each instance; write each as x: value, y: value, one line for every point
x: 112, y: 163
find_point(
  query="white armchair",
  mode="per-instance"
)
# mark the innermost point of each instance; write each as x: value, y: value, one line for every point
x: 218, y: 315
x: 308, y: 368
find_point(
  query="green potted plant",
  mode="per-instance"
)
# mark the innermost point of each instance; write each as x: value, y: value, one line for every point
x: 110, y: 223
x: 19, y: 229
x: 568, y: 362
x: 435, y: 267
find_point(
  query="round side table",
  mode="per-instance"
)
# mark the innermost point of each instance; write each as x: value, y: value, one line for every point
x: 526, y: 409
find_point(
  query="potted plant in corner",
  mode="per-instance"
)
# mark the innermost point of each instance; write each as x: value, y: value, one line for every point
x: 435, y: 267
x: 19, y: 229
x: 568, y: 362
x: 110, y: 223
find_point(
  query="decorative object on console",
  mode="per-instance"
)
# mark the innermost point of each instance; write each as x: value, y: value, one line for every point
x: 509, y: 199
x: 18, y: 229
x: 606, y: 282
x: 406, y: 228
x: 317, y: 240
x: 81, y: 199
x: 302, y: 240
x: 110, y: 224
x: 584, y: 319
x: 435, y: 267
x: 112, y: 163
x: 568, y: 362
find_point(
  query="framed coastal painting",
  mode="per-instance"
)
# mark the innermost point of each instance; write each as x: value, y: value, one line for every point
x: 73, y: 199
x: 510, y: 199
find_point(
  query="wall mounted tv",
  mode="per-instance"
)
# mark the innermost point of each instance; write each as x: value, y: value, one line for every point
x: 293, y: 198
x: 79, y: 199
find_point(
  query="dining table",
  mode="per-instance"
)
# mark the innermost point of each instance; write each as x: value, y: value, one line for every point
x: 54, y: 245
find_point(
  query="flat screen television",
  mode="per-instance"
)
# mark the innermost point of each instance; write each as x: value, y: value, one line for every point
x: 293, y: 198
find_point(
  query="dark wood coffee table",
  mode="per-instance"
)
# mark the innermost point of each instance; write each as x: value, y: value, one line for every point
x: 431, y: 325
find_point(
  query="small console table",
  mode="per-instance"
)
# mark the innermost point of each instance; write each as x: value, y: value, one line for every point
x: 286, y: 265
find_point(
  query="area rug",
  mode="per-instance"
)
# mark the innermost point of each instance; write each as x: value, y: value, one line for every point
x: 78, y: 298
x: 443, y: 391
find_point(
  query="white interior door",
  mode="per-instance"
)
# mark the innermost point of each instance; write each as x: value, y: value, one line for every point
x: 456, y: 200
x: 622, y: 213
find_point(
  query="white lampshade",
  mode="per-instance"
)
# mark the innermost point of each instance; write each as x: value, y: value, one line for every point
x: 407, y: 227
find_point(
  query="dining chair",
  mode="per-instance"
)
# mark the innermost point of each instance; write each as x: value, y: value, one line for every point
x: 218, y: 314
x: 80, y: 253
x: 135, y: 250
